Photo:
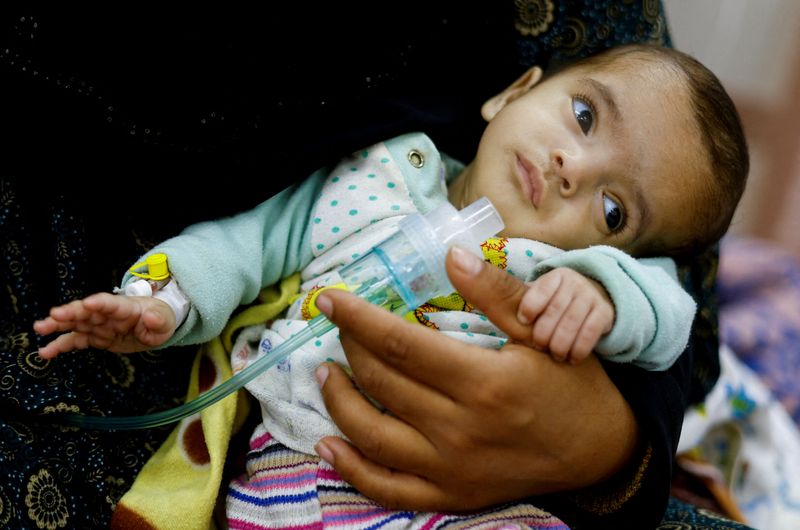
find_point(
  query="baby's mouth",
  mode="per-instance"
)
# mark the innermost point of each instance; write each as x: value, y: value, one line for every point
x: 531, y: 179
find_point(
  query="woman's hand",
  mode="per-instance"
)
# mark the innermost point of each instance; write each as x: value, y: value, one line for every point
x: 122, y: 324
x: 469, y: 427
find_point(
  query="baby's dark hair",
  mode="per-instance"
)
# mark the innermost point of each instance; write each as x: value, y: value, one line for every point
x: 722, y: 136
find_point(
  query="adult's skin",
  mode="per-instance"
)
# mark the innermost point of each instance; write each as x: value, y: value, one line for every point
x: 470, y: 427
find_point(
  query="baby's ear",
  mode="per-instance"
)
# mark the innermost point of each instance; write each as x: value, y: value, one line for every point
x: 525, y: 82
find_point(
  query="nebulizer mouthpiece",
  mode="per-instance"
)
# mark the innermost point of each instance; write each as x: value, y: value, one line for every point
x: 400, y: 274
x: 468, y: 228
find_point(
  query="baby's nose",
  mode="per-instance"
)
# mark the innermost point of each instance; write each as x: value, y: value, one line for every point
x: 566, y: 170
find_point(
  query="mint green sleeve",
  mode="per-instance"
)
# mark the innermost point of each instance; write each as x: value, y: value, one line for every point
x: 653, y: 313
x: 222, y: 264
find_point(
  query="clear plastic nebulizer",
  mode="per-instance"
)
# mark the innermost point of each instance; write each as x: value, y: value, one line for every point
x: 407, y: 269
x: 400, y: 274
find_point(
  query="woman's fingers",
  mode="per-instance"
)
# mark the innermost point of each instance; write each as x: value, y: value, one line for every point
x: 369, y: 428
x: 397, y: 343
x: 493, y: 291
x: 417, y: 403
x: 388, y: 487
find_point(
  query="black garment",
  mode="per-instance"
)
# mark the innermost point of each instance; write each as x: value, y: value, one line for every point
x: 107, y: 115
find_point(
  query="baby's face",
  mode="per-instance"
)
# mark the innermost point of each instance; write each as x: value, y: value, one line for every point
x: 593, y: 156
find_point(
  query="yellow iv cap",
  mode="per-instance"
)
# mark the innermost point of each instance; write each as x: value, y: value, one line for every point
x: 157, y: 268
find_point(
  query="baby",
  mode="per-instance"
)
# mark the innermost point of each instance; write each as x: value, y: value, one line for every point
x: 634, y: 152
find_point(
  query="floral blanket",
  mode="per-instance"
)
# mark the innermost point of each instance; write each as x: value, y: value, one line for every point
x: 744, y: 438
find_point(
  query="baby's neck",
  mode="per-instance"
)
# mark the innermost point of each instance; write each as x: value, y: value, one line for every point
x: 456, y: 189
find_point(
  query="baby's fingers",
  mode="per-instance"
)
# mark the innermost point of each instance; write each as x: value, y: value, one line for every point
x: 61, y: 344
x: 597, y: 323
x: 69, y: 312
x: 46, y: 326
x: 52, y: 325
x: 83, y: 315
x: 536, y: 297
x: 72, y: 341
x: 90, y: 325
x: 568, y: 328
x: 155, y: 328
x: 111, y: 305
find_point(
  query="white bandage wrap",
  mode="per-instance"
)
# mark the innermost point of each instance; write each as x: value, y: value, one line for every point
x: 137, y: 288
x: 172, y: 295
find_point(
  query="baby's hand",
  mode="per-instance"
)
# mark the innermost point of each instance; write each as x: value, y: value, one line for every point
x: 568, y: 312
x: 121, y: 324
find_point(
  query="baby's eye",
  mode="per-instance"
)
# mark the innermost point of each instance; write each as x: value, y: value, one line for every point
x: 584, y: 114
x: 614, y: 216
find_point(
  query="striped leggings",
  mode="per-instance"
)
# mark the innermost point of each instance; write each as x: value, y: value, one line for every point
x: 284, y: 489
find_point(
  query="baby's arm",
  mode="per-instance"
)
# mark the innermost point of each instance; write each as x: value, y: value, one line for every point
x: 122, y: 324
x: 568, y: 313
x: 652, y: 313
